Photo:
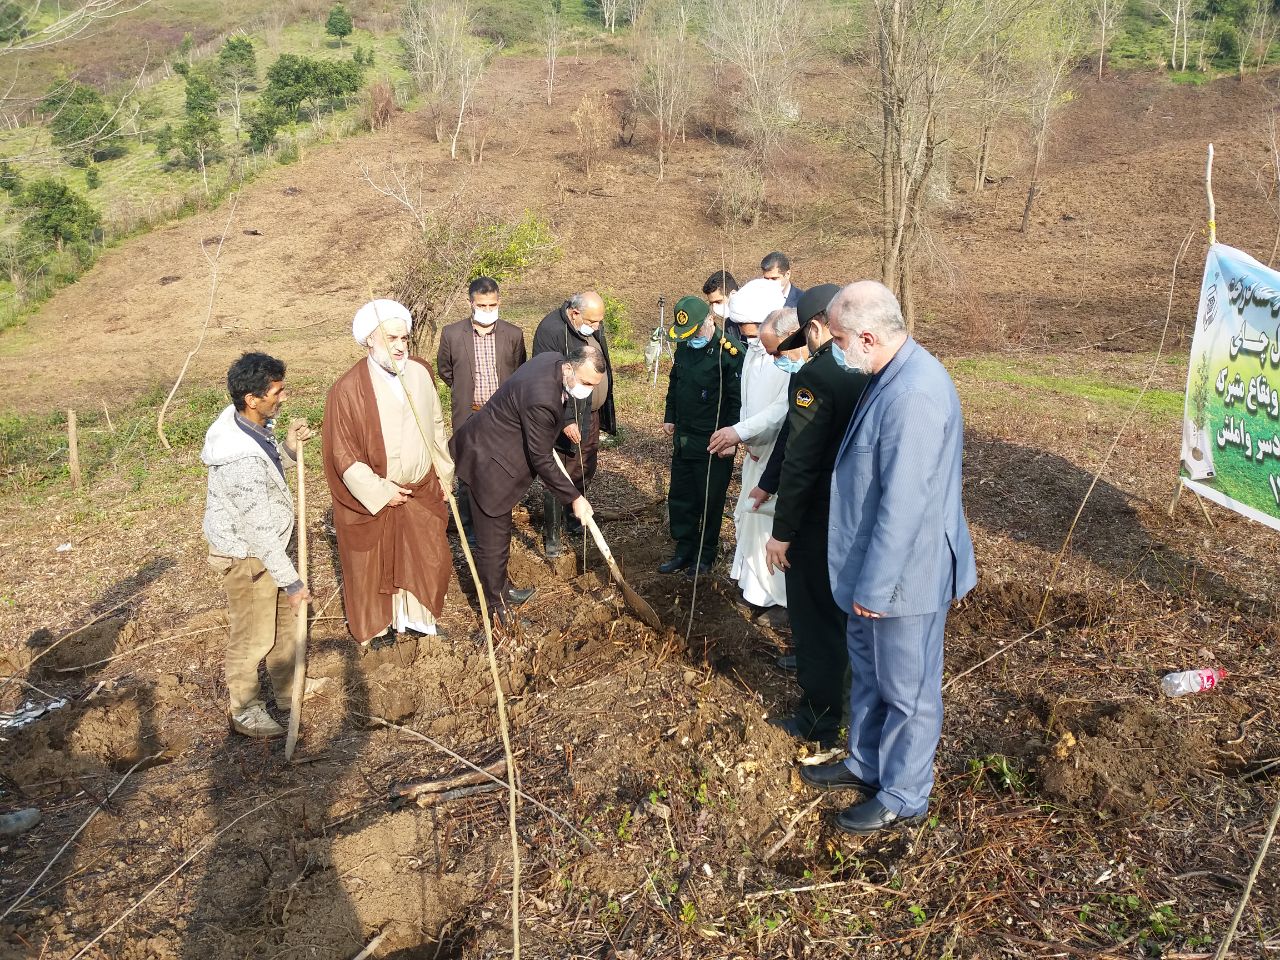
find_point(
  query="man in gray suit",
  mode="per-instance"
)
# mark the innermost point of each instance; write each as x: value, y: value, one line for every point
x: 899, y: 554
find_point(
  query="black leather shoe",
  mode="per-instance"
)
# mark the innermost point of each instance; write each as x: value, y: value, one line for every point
x: 787, y: 662
x: 675, y: 564
x: 833, y: 776
x: 515, y: 597
x: 699, y: 570
x: 870, y: 816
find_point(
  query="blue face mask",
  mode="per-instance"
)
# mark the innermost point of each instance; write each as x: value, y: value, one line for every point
x: 841, y: 358
x: 698, y: 342
x: 788, y: 364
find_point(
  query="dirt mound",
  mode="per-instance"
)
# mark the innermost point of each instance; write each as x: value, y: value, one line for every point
x: 1123, y: 760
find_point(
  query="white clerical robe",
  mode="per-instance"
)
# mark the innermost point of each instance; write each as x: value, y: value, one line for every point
x: 408, y: 461
x: 764, y: 408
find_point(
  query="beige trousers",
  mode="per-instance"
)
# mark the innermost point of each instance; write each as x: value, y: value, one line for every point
x: 260, y: 624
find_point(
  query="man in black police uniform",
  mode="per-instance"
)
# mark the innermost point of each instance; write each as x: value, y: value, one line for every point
x: 822, y: 399
x: 704, y: 394
x: 577, y: 321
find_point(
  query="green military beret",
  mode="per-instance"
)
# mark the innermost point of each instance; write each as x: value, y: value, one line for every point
x: 691, y: 314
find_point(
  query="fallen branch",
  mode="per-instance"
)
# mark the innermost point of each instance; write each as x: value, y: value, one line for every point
x: 78, y: 630
x: 141, y: 646
x: 72, y: 839
x: 371, y: 946
x: 417, y: 788
x: 463, y: 760
x: 790, y: 830
x: 178, y: 869
x: 208, y: 316
x: 436, y: 799
x: 812, y: 887
x: 1007, y: 646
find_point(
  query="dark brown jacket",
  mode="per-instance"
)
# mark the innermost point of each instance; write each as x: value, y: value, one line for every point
x: 508, y: 442
x: 456, y: 360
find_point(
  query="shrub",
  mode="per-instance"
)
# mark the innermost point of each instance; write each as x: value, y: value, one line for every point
x: 57, y: 214
x: 82, y: 125
x: 617, y: 326
x: 92, y: 179
x: 10, y: 179
x: 262, y: 123
x: 592, y: 122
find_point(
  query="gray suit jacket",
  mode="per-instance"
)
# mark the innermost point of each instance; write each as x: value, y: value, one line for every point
x: 899, y: 543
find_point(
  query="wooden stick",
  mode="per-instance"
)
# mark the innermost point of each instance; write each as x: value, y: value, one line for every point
x: 73, y: 449
x: 1208, y: 189
x: 809, y: 888
x: 178, y: 869
x: 372, y: 945
x: 1248, y: 884
x: 1164, y: 332
x: 504, y: 725
x: 300, y: 642
x: 107, y: 413
x: 72, y: 839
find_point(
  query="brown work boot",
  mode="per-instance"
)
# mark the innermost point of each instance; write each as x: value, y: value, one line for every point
x: 254, y: 721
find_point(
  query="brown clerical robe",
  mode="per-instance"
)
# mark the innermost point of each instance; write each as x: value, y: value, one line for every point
x: 395, y: 560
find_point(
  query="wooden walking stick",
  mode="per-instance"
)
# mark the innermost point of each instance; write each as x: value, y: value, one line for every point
x: 300, y: 644
x: 639, y: 606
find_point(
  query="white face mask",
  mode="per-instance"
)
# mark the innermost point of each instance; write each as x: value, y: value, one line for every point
x: 486, y: 318
x: 586, y: 329
x: 580, y: 391
x: 718, y: 309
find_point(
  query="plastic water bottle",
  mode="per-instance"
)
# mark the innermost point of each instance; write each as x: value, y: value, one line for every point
x: 1191, y: 681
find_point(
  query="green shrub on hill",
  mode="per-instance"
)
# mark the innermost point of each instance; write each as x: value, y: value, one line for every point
x: 82, y: 124
x: 339, y: 23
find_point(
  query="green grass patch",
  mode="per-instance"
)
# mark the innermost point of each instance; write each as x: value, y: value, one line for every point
x: 1118, y: 397
x: 34, y: 452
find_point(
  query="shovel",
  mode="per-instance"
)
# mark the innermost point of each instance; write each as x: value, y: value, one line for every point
x: 639, y: 606
x: 300, y: 644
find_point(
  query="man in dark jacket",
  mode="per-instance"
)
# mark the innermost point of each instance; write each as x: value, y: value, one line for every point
x: 821, y: 399
x: 704, y: 394
x: 475, y: 358
x: 506, y: 444
x: 576, y: 322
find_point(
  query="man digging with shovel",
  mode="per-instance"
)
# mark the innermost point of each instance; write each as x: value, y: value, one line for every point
x: 248, y: 521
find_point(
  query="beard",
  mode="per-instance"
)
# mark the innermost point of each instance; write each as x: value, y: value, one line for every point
x: 383, y: 359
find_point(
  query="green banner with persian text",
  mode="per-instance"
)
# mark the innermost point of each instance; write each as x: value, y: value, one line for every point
x: 1231, y: 421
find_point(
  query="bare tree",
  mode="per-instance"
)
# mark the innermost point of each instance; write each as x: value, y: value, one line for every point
x: 1106, y: 17
x: 1055, y: 48
x: 1179, y: 13
x: 662, y: 71
x: 635, y: 9
x: 609, y: 10
x: 474, y: 62
x: 28, y: 38
x: 436, y: 34
x: 591, y: 121
x: 766, y: 41
x: 996, y: 76
x: 1259, y: 32
x: 925, y: 56
x: 551, y: 43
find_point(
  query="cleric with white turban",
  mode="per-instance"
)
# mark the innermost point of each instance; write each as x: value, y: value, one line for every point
x: 388, y: 465
x: 764, y: 408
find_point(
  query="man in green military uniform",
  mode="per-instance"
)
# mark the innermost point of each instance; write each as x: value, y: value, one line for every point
x: 822, y: 400
x: 704, y: 394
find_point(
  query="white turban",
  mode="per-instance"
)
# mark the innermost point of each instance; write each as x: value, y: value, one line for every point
x: 756, y: 300
x: 367, y: 318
